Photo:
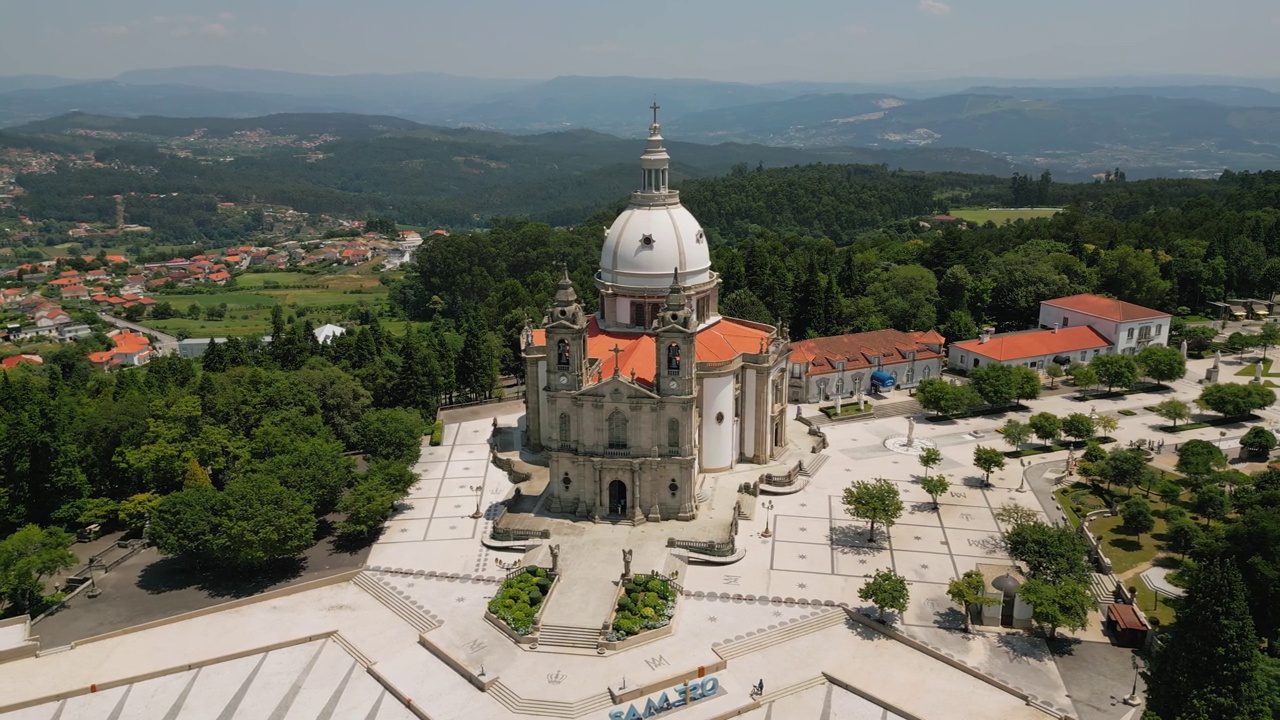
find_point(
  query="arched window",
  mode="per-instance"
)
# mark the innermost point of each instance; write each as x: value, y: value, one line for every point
x: 562, y: 353
x: 617, y: 430
x: 566, y: 428
x: 673, y: 357
x: 928, y: 372
x: 673, y: 433
x: 911, y: 374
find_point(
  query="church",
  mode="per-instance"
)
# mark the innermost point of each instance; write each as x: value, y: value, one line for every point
x: 632, y: 405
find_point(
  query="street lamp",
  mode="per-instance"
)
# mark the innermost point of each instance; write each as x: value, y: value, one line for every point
x: 478, y: 490
x: 1133, y: 700
x: 768, y: 507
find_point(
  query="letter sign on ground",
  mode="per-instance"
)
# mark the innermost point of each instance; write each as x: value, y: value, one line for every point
x: 695, y: 690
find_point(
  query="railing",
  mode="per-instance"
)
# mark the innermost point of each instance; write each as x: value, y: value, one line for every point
x: 511, y: 534
x: 704, y: 547
x: 614, y: 452
x: 785, y: 480
x: 509, y: 466
x: 670, y: 581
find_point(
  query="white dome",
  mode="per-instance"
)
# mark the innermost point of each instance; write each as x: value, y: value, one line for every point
x: 647, y: 242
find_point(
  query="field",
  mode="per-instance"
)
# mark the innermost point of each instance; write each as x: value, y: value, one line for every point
x: 1001, y: 216
x: 249, y: 305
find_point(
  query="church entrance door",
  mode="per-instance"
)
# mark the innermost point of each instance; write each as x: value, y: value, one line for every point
x: 617, y: 498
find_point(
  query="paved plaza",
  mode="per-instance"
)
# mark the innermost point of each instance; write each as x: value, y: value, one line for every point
x: 407, y: 637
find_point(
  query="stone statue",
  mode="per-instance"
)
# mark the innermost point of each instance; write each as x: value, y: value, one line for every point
x: 1217, y: 358
x: 839, y: 403
x: 1257, y: 373
x: 861, y: 405
x: 1184, y: 348
x: 555, y: 558
x: 911, y: 432
x: 626, y: 562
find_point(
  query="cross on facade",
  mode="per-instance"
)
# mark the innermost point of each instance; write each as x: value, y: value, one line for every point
x: 617, y: 360
x: 655, y: 107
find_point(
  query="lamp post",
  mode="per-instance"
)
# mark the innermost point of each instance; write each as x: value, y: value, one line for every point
x: 1133, y: 700
x: 768, y: 508
x: 478, y: 490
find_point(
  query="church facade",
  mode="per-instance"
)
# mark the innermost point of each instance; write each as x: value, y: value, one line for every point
x: 633, y: 404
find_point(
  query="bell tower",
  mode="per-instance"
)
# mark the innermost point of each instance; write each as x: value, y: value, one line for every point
x: 675, y: 334
x: 566, y: 327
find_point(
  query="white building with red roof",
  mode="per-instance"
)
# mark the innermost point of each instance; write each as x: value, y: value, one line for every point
x: 846, y: 365
x: 1129, y: 327
x: 634, y: 402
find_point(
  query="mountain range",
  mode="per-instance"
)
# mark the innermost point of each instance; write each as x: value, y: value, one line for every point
x: 1149, y: 126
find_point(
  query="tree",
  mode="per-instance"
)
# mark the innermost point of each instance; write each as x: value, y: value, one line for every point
x: 1211, y: 503
x: 1198, y: 458
x: 194, y: 475
x: 1053, y: 371
x: 1026, y: 382
x: 1160, y: 363
x: 1233, y: 400
x: 1199, y: 337
x: 1084, y: 377
x: 886, y: 590
x: 1238, y: 342
x: 26, y: 558
x: 988, y: 460
x: 942, y: 397
x: 935, y: 485
x: 1137, y: 516
x: 263, y: 521
x: 135, y: 511
x: 1122, y: 467
x: 1015, y: 433
x: 1054, y: 605
x: 874, y: 502
x: 1011, y: 515
x: 392, y: 434
x: 1268, y: 337
x: 1078, y: 427
x: 995, y: 383
x: 1183, y: 536
x: 929, y: 458
x: 367, y: 506
x: 1049, y: 552
x: 194, y: 311
x: 1209, y: 665
x: 1115, y: 371
x: 969, y: 592
x: 1258, y: 440
x: 1046, y: 426
x: 1173, y: 410
x: 1108, y: 424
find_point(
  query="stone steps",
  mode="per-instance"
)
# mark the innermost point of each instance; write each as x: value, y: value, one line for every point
x: 568, y: 636
x: 898, y: 409
x: 418, y: 619
x: 781, y: 634
x: 817, y: 420
x: 799, y: 687
x: 1103, y: 588
x: 512, y: 701
x: 813, y: 464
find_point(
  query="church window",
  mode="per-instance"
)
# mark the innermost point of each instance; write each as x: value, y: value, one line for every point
x: 674, y: 487
x: 928, y: 372
x: 565, y: 428
x: 566, y: 481
x: 646, y: 240
x: 911, y: 374
x: 673, y: 433
x: 673, y: 357
x: 637, y: 314
x: 562, y: 353
x: 617, y: 430
x: 703, y: 306
x: 720, y: 418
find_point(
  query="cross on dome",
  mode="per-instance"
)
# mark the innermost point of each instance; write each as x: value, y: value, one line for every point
x: 655, y: 107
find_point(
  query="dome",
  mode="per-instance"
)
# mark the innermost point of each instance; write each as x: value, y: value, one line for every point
x: 647, y: 241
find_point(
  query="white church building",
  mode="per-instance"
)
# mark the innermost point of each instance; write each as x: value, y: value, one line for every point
x: 635, y: 403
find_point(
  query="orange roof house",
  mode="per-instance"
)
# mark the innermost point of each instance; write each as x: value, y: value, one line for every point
x: 11, y: 362
x: 131, y: 349
x: 1105, y: 308
x: 844, y: 364
x: 1032, y: 348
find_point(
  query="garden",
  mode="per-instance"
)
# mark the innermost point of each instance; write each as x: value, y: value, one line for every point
x: 847, y: 409
x: 520, y: 597
x: 648, y: 602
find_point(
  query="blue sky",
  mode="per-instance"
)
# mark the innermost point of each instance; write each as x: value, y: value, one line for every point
x: 745, y: 40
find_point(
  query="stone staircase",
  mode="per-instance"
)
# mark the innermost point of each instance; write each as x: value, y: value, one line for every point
x: 1103, y: 588
x: 811, y: 465
x: 568, y: 636
x: 817, y: 420
x: 801, y: 686
x: 512, y: 701
x: 789, y: 631
x: 898, y: 409
x: 396, y: 603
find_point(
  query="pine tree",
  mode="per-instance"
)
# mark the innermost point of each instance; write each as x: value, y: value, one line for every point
x: 1210, y: 666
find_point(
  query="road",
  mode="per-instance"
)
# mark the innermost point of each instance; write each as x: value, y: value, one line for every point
x: 165, y: 344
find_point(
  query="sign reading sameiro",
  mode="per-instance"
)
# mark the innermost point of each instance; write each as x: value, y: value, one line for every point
x: 685, y: 694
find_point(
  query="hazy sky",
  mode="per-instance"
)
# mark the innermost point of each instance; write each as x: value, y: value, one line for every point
x: 747, y: 40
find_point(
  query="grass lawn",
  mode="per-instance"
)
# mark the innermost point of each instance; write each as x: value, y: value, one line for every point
x: 1125, y: 550
x: 848, y: 409
x: 1247, y: 370
x: 1165, y: 611
x: 1000, y: 217
x: 256, y: 280
x: 1195, y: 318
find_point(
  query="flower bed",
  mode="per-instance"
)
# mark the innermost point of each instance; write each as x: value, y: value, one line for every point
x: 647, y: 603
x: 520, y: 597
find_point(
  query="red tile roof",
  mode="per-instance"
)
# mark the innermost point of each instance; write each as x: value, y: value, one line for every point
x: 857, y: 349
x: 1105, y: 308
x: 1038, y: 343
x: 724, y: 340
x: 11, y: 362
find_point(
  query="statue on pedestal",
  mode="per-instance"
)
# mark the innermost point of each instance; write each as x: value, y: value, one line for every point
x: 555, y: 558
x: 911, y: 432
x: 626, y: 562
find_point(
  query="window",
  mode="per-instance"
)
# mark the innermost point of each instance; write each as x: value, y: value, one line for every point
x: 1144, y: 332
x: 562, y: 353
x: 1159, y: 329
x: 1129, y: 335
x: 565, y: 428
x: 1065, y: 321
x: 796, y: 370
x: 637, y: 314
x: 911, y: 374
x: 673, y: 357
x: 928, y: 371
x: 617, y: 430
x: 1084, y: 355
x: 975, y: 362
x: 673, y: 433
x: 963, y: 359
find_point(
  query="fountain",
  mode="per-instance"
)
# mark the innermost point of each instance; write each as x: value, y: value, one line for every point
x: 908, y: 444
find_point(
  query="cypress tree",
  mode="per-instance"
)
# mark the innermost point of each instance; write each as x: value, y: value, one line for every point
x: 1211, y: 666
